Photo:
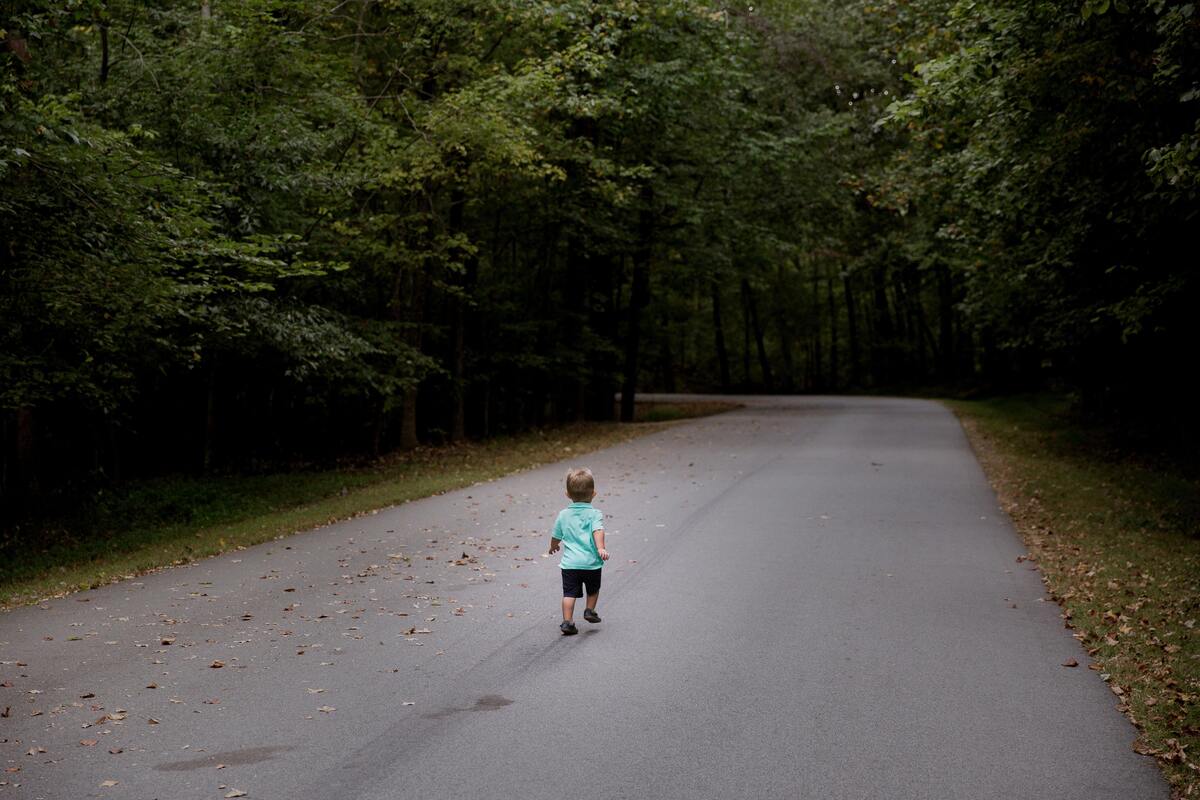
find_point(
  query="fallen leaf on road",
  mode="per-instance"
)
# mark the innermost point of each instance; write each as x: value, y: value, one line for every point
x: 87, y: 696
x: 151, y: 685
x: 106, y: 784
x: 152, y: 721
x: 315, y: 691
x: 116, y: 751
x: 327, y: 709
x: 1070, y: 662
x: 217, y: 664
x: 88, y: 742
x: 236, y: 793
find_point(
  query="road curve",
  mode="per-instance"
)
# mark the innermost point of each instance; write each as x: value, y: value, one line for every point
x: 808, y: 598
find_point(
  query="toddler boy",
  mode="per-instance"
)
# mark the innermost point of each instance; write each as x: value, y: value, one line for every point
x: 579, y: 530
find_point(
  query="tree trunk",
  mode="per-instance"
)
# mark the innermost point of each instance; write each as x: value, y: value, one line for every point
x: 852, y: 327
x: 26, y: 451
x: 458, y: 361
x: 577, y: 269
x: 210, y: 420
x: 408, y: 420
x: 834, y: 377
x: 378, y: 429
x: 746, y: 377
x: 763, y: 363
x: 881, y: 328
x: 946, y: 361
x: 785, y: 333
x: 416, y: 310
x: 719, y: 334
x: 667, y: 362
x: 638, y: 299
x: 818, y: 369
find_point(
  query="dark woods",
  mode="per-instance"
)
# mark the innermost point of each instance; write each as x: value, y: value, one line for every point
x: 235, y: 235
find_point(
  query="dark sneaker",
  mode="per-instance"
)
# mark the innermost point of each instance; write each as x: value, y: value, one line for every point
x: 568, y: 628
x: 590, y: 615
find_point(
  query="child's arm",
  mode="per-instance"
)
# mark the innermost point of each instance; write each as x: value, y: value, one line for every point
x: 554, y: 545
x: 598, y: 537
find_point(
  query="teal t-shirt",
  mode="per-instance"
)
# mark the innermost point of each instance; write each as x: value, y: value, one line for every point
x: 574, y: 528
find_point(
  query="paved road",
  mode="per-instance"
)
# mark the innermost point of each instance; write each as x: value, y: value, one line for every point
x: 808, y: 598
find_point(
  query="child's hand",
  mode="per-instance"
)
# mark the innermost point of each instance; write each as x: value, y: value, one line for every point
x: 553, y: 546
x: 604, y: 555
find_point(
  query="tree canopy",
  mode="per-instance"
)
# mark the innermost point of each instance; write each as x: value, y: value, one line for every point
x: 236, y: 233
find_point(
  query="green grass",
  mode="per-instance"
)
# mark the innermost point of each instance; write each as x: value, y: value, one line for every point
x: 147, y: 525
x: 1116, y: 535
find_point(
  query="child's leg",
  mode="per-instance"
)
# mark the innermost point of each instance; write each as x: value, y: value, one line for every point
x: 568, y: 608
x: 593, y: 588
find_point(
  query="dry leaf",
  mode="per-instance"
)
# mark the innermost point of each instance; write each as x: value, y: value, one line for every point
x: 217, y: 664
x: 88, y: 742
x: 1070, y: 662
x: 236, y: 793
x: 106, y: 784
x: 327, y: 709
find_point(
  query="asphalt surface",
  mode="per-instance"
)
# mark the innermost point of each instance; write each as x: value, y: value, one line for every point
x: 808, y: 598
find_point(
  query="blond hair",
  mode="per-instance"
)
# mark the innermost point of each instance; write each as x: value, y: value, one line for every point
x: 581, y: 486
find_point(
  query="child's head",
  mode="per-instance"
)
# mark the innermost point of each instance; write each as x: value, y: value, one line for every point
x: 581, y: 486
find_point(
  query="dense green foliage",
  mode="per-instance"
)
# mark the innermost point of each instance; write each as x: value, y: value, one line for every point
x: 236, y: 233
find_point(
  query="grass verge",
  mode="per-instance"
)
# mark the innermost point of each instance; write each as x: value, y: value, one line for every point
x: 153, y: 524
x: 1116, y: 536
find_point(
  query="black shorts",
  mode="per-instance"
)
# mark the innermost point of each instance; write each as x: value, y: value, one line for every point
x: 574, y: 579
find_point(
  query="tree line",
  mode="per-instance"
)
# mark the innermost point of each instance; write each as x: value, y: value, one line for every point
x: 238, y: 234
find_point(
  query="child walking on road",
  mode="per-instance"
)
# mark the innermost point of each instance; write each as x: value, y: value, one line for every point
x: 579, y: 530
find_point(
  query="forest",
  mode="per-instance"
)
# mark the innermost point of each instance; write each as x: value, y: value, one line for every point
x: 239, y: 233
